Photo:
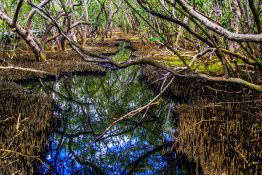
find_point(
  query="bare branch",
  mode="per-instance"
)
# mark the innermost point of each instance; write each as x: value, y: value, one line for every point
x: 256, y: 15
x: 237, y: 55
x: 18, y: 7
x: 200, y: 55
x: 218, y: 29
x: 79, y: 23
x: 32, y: 13
x: 29, y: 38
x: 176, y: 21
x: 6, y: 18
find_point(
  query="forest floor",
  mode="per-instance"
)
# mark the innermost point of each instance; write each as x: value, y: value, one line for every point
x: 20, y: 64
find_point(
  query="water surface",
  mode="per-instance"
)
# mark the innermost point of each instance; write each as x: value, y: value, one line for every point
x: 84, y: 108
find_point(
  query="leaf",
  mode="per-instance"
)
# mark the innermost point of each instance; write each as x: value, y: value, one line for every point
x: 259, y: 61
x: 199, y: 2
x: 152, y: 39
x: 160, y: 40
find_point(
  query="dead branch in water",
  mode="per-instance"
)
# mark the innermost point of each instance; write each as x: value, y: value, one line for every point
x: 139, y: 110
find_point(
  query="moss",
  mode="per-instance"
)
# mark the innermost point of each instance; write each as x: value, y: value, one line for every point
x: 177, y: 63
x: 213, y: 69
x: 172, y: 61
x: 122, y: 55
x: 98, y: 39
x: 42, y: 57
x: 239, y: 61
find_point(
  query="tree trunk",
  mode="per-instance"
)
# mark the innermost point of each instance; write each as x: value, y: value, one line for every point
x: 109, y: 21
x: 27, y: 36
x: 181, y: 31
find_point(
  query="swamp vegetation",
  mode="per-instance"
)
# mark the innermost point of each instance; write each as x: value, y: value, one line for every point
x: 131, y: 87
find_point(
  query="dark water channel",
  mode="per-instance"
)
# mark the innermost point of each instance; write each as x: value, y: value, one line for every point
x: 86, y: 105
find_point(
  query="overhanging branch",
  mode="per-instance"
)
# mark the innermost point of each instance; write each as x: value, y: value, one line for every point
x: 217, y: 28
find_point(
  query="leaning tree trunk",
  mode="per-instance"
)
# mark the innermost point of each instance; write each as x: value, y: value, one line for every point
x: 109, y: 21
x: 27, y: 36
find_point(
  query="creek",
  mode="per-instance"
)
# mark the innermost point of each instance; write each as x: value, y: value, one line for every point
x: 86, y: 105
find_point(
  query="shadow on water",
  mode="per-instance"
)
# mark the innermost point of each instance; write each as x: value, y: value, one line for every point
x: 86, y: 105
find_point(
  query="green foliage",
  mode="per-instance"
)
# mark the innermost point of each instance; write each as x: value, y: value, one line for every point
x: 199, y: 3
x: 259, y: 61
x: 159, y: 39
x: 225, y: 21
x: 152, y: 39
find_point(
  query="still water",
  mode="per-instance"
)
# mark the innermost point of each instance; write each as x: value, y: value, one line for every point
x: 85, y: 106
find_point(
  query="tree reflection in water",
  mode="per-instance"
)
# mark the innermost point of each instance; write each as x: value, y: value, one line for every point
x: 86, y: 106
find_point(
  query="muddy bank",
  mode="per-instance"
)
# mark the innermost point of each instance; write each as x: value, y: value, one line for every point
x: 24, y: 122
x: 57, y: 64
x: 61, y: 62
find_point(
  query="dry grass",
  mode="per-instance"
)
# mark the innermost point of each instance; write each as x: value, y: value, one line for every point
x: 24, y: 122
x: 222, y: 137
